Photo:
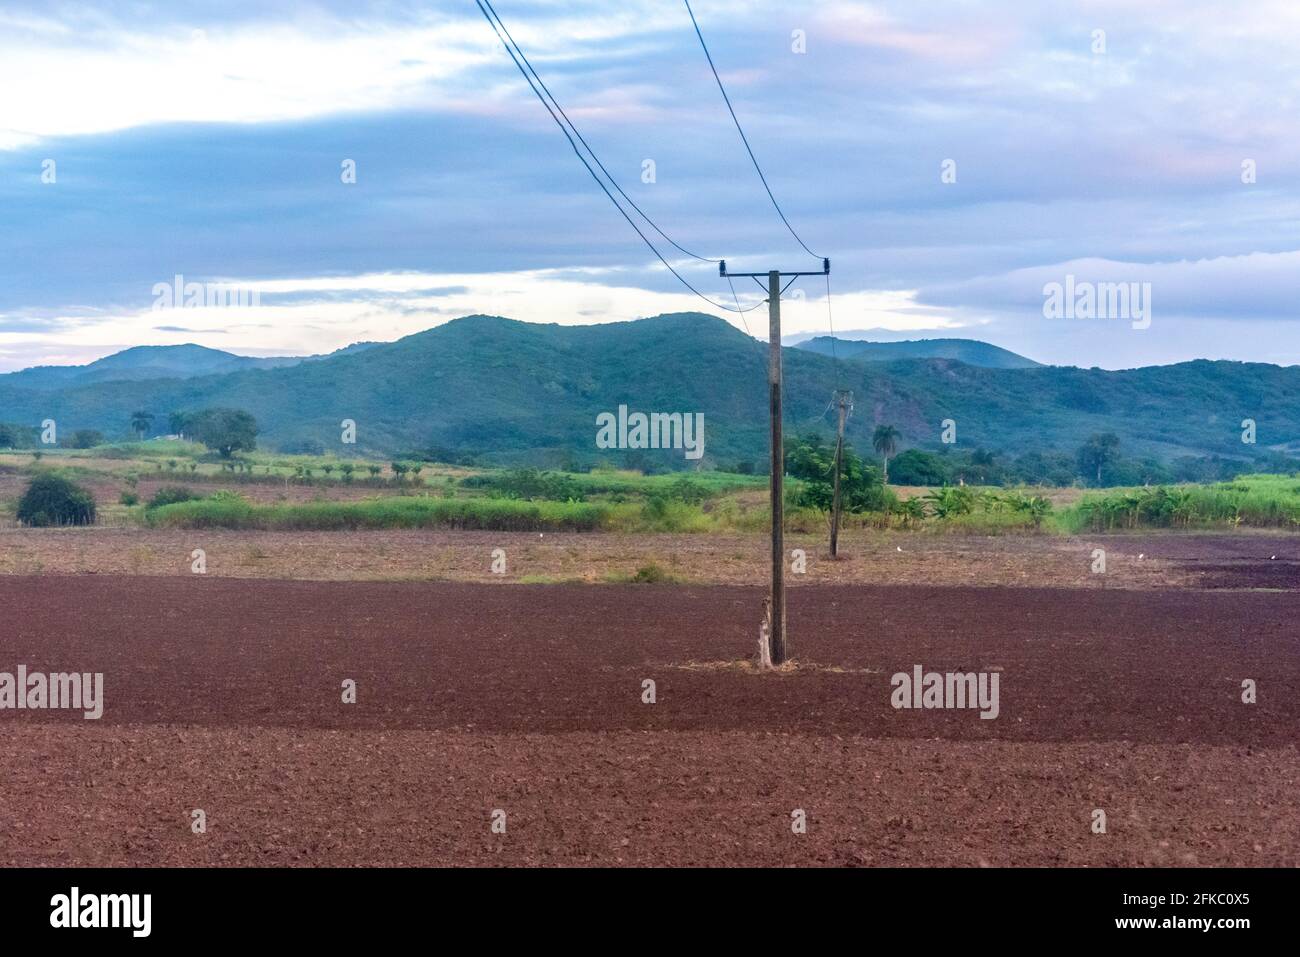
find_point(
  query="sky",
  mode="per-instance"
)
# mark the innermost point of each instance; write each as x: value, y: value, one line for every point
x: 956, y: 161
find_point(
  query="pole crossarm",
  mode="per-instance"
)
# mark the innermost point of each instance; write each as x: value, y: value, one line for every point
x: 825, y: 271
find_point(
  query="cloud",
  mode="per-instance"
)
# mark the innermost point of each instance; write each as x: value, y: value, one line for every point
x: 1254, y: 286
x: 206, y: 139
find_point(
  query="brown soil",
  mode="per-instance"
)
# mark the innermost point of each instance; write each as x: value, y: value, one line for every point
x: 867, y: 557
x: 225, y: 695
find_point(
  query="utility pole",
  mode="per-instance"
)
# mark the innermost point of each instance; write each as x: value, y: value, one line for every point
x: 845, y: 404
x: 776, y: 633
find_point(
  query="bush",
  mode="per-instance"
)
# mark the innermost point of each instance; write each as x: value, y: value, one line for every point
x: 54, y: 500
x: 129, y: 498
x: 170, y: 495
x: 684, y: 490
x: 86, y: 439
x: 529, y: 485
x: 652, y: 574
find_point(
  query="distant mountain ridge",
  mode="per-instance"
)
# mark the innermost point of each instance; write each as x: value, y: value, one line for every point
x: 154, y: 362
x: 970, y: 351
x: 510, y: 392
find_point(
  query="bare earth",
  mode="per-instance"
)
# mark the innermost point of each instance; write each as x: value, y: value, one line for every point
x: 867, y: 557
x: 224, y: 694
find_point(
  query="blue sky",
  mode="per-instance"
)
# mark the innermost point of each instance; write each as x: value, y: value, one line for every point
x: 207, y: 140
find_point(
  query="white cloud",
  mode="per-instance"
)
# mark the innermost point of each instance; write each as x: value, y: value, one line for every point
x: 1255, y: 286
x: 103, y: 75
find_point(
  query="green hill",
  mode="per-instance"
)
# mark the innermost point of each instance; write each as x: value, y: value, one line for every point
x: 513, y: 392
x: 970, y: 351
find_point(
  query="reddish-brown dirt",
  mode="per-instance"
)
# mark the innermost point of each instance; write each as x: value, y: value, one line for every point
x: 224, y: 695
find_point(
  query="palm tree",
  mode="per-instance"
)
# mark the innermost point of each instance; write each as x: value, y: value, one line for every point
x: 176, y: 422
x: 141, y: 421
x: 885, y: 441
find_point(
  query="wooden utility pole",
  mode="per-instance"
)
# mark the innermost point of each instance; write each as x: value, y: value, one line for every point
x: 845, y: 403
x: 777, y: 483
x: 776, y: 632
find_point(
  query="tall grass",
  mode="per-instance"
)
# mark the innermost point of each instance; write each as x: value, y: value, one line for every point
x: 475, y: 514
x: 1259, y: 501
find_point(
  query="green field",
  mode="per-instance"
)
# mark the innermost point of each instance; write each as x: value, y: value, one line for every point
x: 276, y: 492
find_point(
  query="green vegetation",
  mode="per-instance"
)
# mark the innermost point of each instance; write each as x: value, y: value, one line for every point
x: 52, y: 499
x: 652, y: 574
x: 396, y: 512
x: 171, y: 494
x: 1174, y: 423
x: 141, y: 422
x: 811, y: 460
x: 226, y: 430
x: 1259, y: 501
x: 706, y: 501
x: 14, y: 436
x: 86, y: 439
x: 885, y: 441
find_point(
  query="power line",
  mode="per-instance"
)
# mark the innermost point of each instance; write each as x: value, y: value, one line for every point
x: 744, y: 139
x: 599, y: 181
x: 830, y: 322
x: 542, y: 83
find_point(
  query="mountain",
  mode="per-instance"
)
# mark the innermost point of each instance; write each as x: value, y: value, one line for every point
x: 970, y: 351
x: 154, y: 362
x: 514, y: 392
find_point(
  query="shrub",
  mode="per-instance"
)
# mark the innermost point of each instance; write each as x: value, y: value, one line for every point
x: 54, y: 500
x: 684, y: 490
x: 86, y: 439
x: 170, y: 495
x: 530, y: 485
x: 651, y: 574
x: 129, y: 498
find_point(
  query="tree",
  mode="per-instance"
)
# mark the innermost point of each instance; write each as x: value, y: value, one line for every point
x: 54, y: 500
x: 1099, y: 451
x: 15, y: 436
x: 86, y: 439
x: 885, y: 441
x: 178, y: 423
x: 347, y: 468
x: 915, y: 467
x: 812, y: 462
x: 374, y: 470
x: 141, y: 422
x: 399, y: 470
x: 226, y: 430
